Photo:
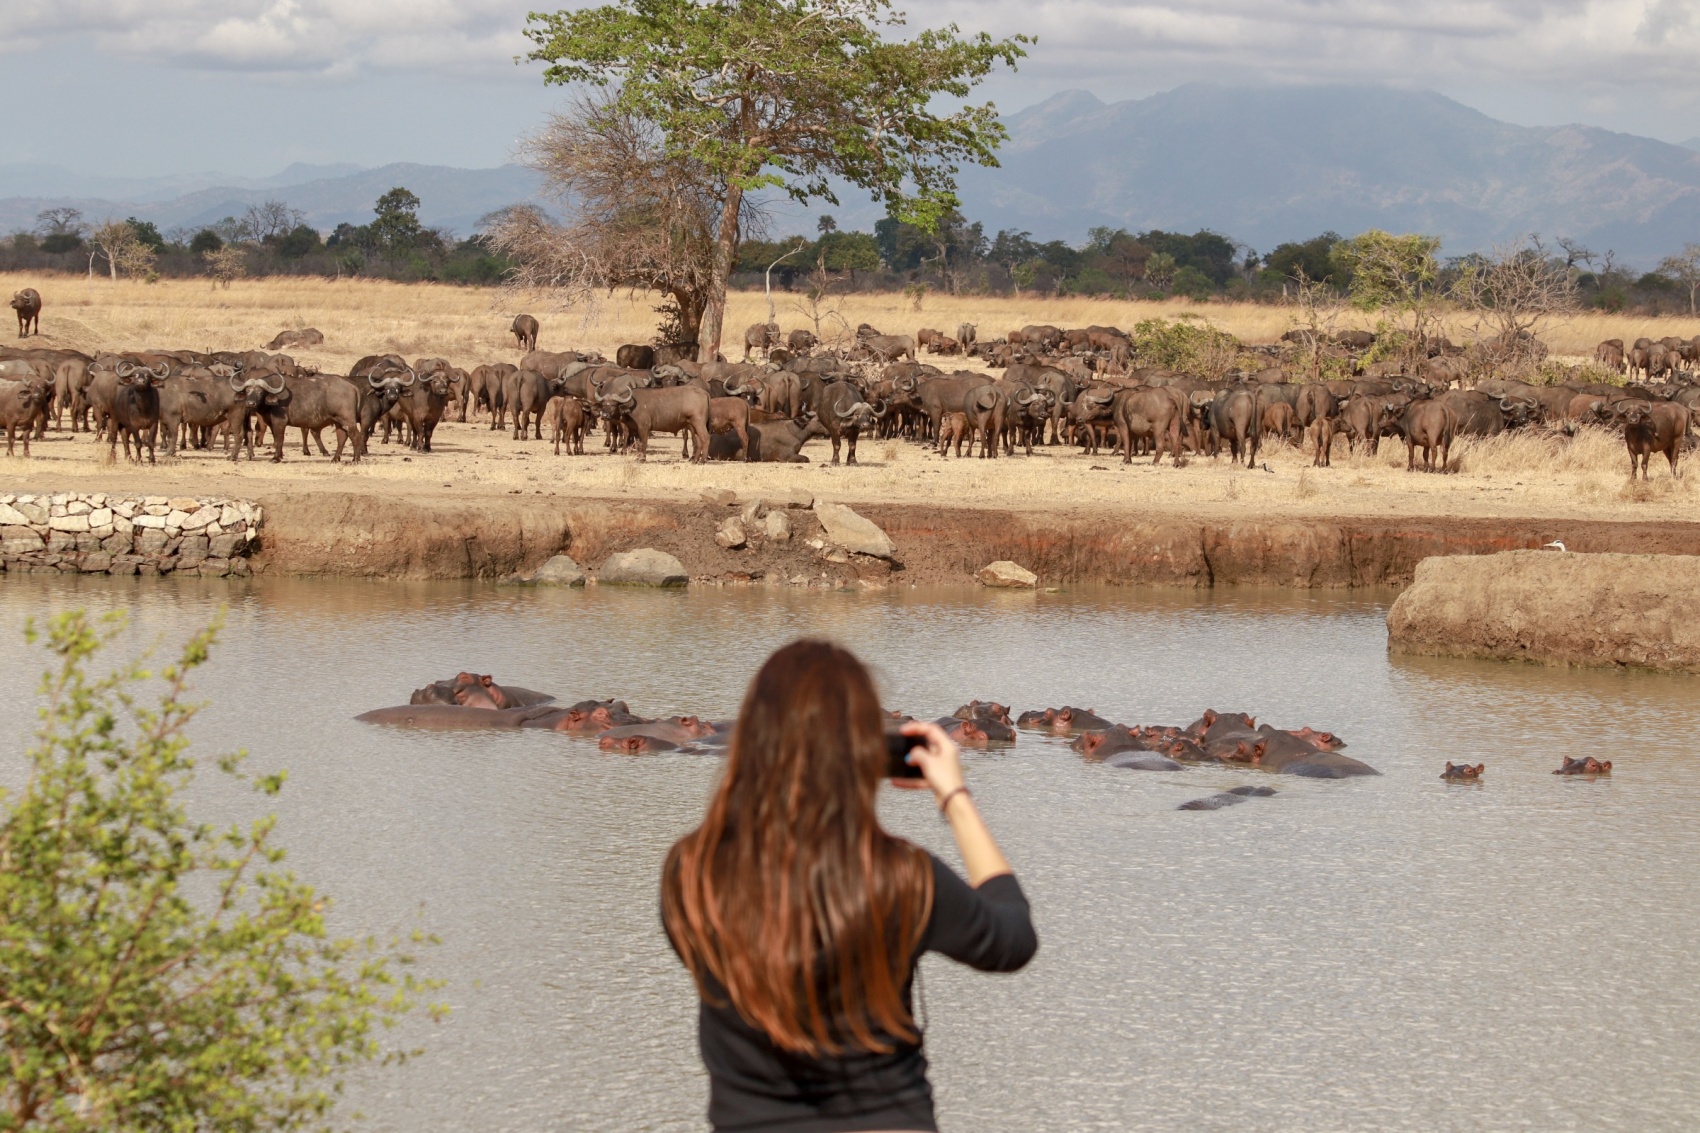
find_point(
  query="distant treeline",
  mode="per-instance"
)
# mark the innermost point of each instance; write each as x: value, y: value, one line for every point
x: 958, y: 258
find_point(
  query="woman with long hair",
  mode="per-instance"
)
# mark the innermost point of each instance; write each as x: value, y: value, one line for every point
x: 802, y: 920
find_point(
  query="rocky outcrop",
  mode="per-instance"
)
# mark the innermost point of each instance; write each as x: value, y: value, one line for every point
x: 559, y: 571
x: 1554, y: 607
x: 99, y: 533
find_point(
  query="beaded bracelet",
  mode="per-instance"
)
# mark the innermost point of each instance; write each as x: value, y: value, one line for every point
x: 944, y: 803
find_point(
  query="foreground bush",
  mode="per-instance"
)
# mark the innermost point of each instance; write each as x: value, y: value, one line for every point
x: 155, y: 973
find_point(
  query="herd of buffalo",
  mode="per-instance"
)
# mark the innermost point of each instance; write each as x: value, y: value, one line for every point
x: 474, y: 701
x: 1046, y: 385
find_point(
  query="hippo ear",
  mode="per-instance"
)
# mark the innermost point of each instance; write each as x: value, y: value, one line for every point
x: 689, y: 721
x: 1209, y: 717
x: 1258, y: 749
x: 1606, y: 766
x: 1449, y: 765
x: 1480, y: 767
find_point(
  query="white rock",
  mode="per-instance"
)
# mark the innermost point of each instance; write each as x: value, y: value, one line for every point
x: 101, y: 517
x: 853, y: 532
x: 153, y: 521
x: 175, y: 517
x: 559, y: 571
x: 643, y: 567
x: 229, y: 516
x: 1004, y: 573
x: 731, y: 535
x: 77, y: 507
x: 778, y: 527
x: 159, y: 509
x: 200, y: 519
x: 68, y: 523
x: 12, y: 517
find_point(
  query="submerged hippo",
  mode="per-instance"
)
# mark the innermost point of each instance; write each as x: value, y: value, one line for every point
x: 1228, y: 798
x: 985, y: 710
x: 1587, y: 765
x: 1064, y: 721
x: 966, y: 733
x: 1132, y: 760
x: 1110, y: 741
x: 454, y: 717
x: 1463, y: 772
x: 474, y: 690
x: 1214, y: 725
x: 666, y: 734
x: 587, y: 717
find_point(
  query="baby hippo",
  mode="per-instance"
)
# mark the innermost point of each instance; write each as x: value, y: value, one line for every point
x: 1102, y: 745
x: 666, y: 734
x: 1463, y: 772
x: 966, y: 733
x: 1588, y: 765
x: 990, y: 717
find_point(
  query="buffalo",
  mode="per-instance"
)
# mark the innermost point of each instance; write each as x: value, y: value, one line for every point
x: 524, y: 329
x: 27, y: 303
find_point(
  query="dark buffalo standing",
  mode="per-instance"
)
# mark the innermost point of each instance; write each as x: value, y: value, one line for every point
x: 1233, y: 418
x: 525, y: 330
x: 19, y: 403
x: 27, y: 303
x: 1650, y: 427
x: 1429, y: 425
x: 730, y: 415
x: 801, y: 341
x: 264, y: 397
x: 527, y: 393
x: 195, y: 399
x: 634, y: 356
x: 675, y: 410
x: 320, y: 400
x: 844, y: 413
x: 135, y: 408
x: 762, y: 337
x: 938, y: 396
x: 1152, y: 414
x: 986, y: 408
x: 421, y: 407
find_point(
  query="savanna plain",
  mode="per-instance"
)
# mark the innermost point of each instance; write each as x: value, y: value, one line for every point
x: 1528, y: 475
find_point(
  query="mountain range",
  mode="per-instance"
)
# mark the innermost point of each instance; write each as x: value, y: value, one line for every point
x: 1262, y: 165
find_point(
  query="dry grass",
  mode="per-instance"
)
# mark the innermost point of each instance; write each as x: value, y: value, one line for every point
x: 468, y: 325
x: 1524, y: 475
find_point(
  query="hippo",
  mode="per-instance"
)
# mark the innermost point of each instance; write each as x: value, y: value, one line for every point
x: 985, y: 710
x: 966, y: 733
x: 666, y: 734
x: 1232, y: 797
x: 1463, y: 772
x: 1322, y: 741
x: 637, y: 739
x: 1064, y: 721
x: 455, y: 717
x: 1132, y: 760
x: 1181, y: 748
x: 472, y: 690
x: 1102, y: 745
x: 586, y: 717
x: 1213, y: 724
x: 1237, y: 747
x: 1588, y: 765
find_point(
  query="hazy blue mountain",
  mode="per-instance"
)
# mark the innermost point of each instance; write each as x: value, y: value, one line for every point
x: 1272, y: 164
x: 449, y: 198
x: 1262, y: 165
x: 1692, y: 143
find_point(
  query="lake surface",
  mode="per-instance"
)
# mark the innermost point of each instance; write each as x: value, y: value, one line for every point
x: 1386, y: 953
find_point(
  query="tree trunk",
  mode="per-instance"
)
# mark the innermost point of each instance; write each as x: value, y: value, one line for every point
x: 725, y: 249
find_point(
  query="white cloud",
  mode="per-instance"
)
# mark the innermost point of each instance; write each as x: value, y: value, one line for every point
x: 1607, y: 53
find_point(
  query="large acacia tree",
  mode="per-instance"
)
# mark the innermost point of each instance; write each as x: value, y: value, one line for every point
x: 787, y: 94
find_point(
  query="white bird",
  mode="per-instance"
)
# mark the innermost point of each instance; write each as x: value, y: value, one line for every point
x: 1554, y: 543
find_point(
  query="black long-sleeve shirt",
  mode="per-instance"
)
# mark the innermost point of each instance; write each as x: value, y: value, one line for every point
x: 756, y: 1087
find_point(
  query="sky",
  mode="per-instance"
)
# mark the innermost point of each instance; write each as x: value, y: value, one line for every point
x: 154, y: 87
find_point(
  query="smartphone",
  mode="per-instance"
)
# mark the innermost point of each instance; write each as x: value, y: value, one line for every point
x: 897, y: 748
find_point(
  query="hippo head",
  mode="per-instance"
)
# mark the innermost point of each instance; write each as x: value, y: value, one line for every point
x: 474, y: 690
x: 1322, y: 741
x: 693, y: 726
x: 1092, y: 741
x: 968, y: 733
x: 1251, y: 753
x: 1463, y: 771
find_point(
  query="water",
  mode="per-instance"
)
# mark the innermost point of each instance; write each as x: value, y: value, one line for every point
x: 1389, y: 953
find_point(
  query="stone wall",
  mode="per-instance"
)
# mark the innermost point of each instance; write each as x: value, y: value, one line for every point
x: 98, y: 533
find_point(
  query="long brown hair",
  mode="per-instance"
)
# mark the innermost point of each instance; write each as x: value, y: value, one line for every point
x: 789, y: 894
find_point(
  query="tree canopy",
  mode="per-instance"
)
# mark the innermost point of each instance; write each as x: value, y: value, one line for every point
x: 787, y: 94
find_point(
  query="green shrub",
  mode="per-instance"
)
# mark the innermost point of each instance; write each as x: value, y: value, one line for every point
x: 156, y: 973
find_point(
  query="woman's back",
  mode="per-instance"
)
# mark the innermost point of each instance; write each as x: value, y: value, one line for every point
x: 802, y: 920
